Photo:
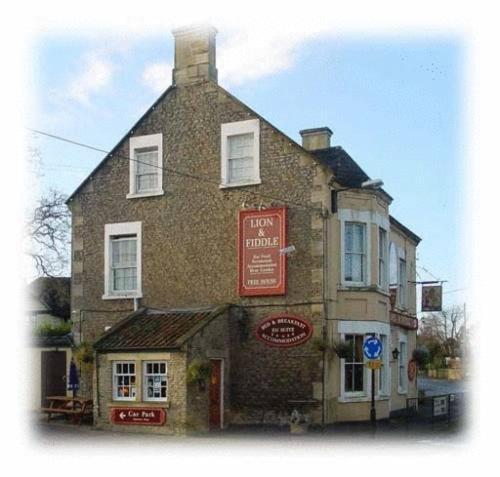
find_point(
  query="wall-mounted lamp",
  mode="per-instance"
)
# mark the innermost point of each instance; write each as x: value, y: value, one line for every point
x: 395, y: 353
x: 372, y: 184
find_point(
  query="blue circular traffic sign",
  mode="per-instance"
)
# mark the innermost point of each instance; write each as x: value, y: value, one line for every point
x: 372, y: 347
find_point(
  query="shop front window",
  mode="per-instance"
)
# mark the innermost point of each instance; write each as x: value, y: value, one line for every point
x: 124, y: 381
x: 155, y: 381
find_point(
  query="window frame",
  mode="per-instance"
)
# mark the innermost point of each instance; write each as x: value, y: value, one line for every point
x: 403, y: 365
x: 402, y: 284
x: 115, y: 375
x: 365, y: 266
x: 344, y: 363
x: 365, y: 328
x: 383, y: 259
x: 250, y: 126
x: 121, y: 230
x: 145, y: 397
x: 137, y: 143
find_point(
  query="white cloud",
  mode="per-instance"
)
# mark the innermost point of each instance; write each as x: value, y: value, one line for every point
x: 96, y: 74
x: 259, y: 52
x: 158, y: 76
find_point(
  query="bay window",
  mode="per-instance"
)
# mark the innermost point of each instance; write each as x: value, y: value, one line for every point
x: 355, y: 378
x: 382, y: 258
x: 403, y: 365
x: 354, y: 368
x: 402, y: 284
x: 355, y: 252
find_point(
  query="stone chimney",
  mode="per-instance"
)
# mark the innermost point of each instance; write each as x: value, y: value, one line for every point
x: 316, y: 138
x: 194, y: 55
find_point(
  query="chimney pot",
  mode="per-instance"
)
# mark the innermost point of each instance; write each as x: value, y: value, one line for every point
x: 316, y: 138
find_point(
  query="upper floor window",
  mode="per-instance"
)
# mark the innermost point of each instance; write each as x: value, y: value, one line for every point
x: 146, y: 166
x: 382, y: 258
x: 402, y: 283
x: 122, y: 260
x: 355, y: 252
x: 240, y: 161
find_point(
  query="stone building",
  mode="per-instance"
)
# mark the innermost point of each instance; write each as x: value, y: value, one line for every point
x: 227, y: 275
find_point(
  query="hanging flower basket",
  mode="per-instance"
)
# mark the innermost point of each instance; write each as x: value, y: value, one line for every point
x: 198, y: 372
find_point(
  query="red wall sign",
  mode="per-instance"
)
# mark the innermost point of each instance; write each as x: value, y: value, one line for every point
x: 138, y: 415
x: 261, y: 267
x: 284, y: 330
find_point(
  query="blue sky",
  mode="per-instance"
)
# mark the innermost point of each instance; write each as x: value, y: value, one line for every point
x: 394, y: 103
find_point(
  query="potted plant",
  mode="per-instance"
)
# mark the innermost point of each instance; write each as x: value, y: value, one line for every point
x: 342, y: 349
x: 198, y: 372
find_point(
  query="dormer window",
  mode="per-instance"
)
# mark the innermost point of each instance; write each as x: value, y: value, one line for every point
x: 146, y: 166
x: 240, y: 161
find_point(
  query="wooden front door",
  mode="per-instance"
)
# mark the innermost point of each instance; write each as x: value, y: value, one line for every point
x: 53, y: 374
x: 215, y: 395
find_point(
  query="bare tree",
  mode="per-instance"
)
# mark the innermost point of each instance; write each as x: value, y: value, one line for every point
x: 48, y: 228
x: 444, y: 328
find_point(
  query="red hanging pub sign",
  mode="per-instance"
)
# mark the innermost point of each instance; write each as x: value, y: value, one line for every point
x: 261, y: 266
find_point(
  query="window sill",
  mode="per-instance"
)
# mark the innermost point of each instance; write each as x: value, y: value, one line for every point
x: 139, y: 195
x: 402, y: 391
x: 240, y: 184
x: 137, y: 403
x: 121, y: 297
x: 365, y: 398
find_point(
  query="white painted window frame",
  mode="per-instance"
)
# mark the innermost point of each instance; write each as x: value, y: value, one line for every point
x: 144, y: 142
x: 402, y: 284
x: 115, y: 384
x: 249, y: 126
x: 403, y: 386
x: 355, y: 327
x: 145, y: 397
x: 113, y: 230
x: 383, y: 279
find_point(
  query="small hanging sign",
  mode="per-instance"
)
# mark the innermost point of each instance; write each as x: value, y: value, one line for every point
x: 432, y: 297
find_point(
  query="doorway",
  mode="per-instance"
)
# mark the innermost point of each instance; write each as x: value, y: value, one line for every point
x: 53, y: 375
x: 216, y: 395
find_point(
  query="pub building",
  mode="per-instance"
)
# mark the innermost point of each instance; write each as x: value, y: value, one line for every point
x: 227, y: 275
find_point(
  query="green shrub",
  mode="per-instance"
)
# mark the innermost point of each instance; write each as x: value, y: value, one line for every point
x: 53, y: 329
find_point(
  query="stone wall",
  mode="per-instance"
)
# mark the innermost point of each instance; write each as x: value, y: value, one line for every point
x: 189, y: 249
x: 175, y: 406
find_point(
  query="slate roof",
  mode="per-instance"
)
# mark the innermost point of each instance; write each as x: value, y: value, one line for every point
x: 346, y: 170
x: 156, y: 329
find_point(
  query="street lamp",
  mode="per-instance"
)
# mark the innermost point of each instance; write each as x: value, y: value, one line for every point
x: 372, y: 184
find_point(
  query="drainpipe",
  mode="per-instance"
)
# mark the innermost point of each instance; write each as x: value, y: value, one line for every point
x: 324, y: 216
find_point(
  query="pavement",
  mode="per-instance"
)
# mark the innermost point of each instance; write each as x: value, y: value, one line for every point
x: 394, y: 431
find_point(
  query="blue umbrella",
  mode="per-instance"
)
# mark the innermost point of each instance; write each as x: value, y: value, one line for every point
x: 73, y: 383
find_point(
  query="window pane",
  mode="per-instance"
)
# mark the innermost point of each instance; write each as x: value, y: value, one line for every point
x: 358, y: 377
x: 147, y: 170
x: 358, y: 349
x: 240, y: 157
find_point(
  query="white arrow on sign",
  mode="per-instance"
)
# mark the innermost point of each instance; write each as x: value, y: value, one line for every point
x: 122, y: 415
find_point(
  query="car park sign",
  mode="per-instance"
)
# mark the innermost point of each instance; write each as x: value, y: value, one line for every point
x: 372, y: 348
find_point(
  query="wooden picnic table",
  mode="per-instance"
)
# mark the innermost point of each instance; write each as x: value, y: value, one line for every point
x: 76, y: 407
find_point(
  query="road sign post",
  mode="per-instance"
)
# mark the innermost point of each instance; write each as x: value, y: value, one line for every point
x: 372, y: 349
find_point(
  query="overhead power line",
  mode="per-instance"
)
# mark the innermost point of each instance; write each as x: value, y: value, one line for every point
x: 168, y: 169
